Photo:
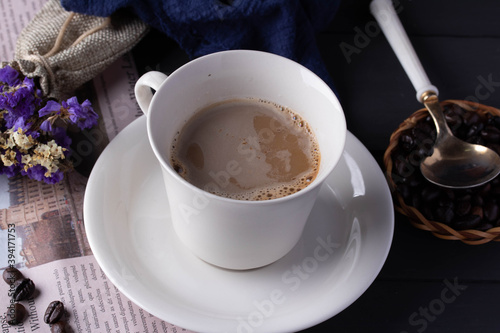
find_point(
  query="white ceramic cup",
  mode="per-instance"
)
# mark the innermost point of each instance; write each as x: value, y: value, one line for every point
x: 231, y: 233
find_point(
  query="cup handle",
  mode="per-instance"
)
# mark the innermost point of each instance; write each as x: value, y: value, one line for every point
x: 143, y: 86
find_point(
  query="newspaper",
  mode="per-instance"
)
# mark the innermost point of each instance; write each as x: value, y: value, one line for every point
x: 42, y: 230
x: 92, y: 302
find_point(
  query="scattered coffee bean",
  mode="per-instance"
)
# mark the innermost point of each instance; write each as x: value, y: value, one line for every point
x: 15, y: 314
x: 54, y: 312
x: 11, y: 275
x: 58, y: 327
x: 23, y: 289
x: 472, y: 208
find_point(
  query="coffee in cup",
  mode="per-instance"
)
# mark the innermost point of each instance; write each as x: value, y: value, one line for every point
x: 246, y: 149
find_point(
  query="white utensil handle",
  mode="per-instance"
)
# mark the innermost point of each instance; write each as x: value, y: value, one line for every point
x: 390, y: 24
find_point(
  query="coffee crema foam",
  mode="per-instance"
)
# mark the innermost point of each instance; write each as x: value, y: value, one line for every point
x: 246, y: 149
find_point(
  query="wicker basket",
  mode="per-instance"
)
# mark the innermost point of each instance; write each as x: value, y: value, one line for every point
x: 416, y: 218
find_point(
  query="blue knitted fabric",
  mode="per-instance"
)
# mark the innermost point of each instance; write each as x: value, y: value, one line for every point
x: 284, y: 27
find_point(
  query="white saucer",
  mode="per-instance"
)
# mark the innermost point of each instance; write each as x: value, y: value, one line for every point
x: 344, y: 245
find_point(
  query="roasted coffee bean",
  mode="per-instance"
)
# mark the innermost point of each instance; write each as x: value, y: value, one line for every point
x: 495, y: 190
x: 15, y: 314
x: 484, y: 226
x: 427, y: 127
x: 464, y: 196
x: 495, y: 121
x: 416, y: 201
x: 430, y: 193
x: 414, y: 180
x: 445, y: 201
x: 491, y: 134
x: 467, y: 222
x: 406, y: 142
x: 404, y: 190
x: 58, y: 327
x: 484, y: 189
x: 23, y: 289
x: 11, y: 275
x: 404, y: 168
x: 474, y: 130
x: 490, y: 210
x: 427, y: 212
x: 477, y: 210
x: 463, y: 207
x: 455, y: 109
x: 449, y: 193
x: 477, y: 200
x: 421, y: 136
x: 54, y: 312
x: 416, y: 157
x: 445, y: 214
x: 470, y: 118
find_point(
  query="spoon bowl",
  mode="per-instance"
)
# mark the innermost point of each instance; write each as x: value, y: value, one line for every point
x: 458, y: 164
x: 453, y: 163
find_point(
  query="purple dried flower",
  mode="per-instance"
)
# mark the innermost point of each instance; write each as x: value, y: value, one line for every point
x: 22, y: 124
x: 54, y: 178
x: 10, y: 171
x: 36, y: 172
x: 50, y: 107
x: 8, y: 77
x: 46, y: 126
x: 61, y: 138
x: 3, y: 101
x: 19, y: 101
x: 38, y: 148
x: 82, y: 115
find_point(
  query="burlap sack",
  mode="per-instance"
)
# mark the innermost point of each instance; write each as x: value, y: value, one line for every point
x: 63, y: 50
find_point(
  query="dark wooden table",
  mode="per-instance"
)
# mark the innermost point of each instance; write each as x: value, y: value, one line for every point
x: 427, y: 284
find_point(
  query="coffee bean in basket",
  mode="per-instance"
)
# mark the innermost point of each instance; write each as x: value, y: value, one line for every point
x: 430, y: 206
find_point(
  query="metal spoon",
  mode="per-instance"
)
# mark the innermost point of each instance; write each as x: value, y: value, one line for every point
x: 453, y: 163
